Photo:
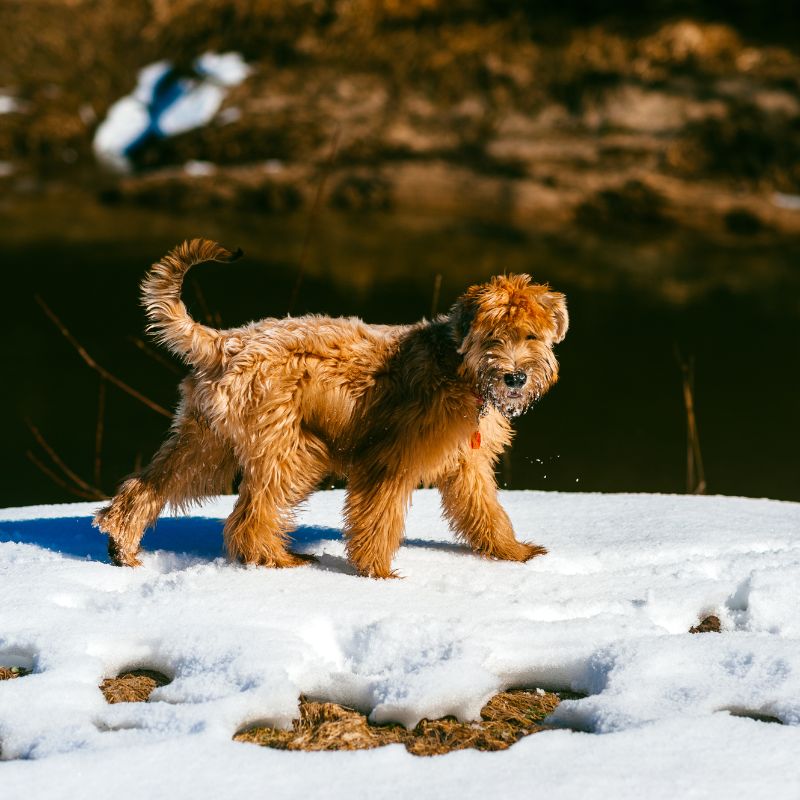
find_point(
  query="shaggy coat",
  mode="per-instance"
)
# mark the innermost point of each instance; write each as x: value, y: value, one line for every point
x: 286, y: 402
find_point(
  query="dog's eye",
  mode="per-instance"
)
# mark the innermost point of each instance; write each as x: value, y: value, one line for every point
x: 531, y: 336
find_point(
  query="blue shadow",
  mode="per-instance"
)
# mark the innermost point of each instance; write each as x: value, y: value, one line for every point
x: 197, y: 536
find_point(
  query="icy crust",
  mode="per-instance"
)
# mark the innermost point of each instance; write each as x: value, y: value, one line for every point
x: 606, y: 614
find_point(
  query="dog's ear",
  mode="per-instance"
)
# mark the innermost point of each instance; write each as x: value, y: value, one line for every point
x: 556, y: 304
x: 462, y: 315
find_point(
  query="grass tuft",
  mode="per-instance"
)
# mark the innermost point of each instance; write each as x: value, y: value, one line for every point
x: 133, y: 686
x: 710, y: 624
x: 7, y: 673
x: 505, y: 719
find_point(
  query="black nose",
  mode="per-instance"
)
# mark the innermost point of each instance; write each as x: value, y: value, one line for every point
x: 515, y: 379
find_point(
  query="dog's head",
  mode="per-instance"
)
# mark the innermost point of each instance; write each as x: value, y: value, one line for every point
x: 505, y: 330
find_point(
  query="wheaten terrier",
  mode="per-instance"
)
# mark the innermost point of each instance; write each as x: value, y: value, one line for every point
x: 286, y: 402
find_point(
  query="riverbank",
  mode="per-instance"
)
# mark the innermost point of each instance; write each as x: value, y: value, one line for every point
x: 638, y: 123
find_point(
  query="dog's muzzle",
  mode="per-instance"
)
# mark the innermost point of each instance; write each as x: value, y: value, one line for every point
x: 511, y: 394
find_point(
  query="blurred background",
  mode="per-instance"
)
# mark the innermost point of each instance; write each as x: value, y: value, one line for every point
x: 375, y: 157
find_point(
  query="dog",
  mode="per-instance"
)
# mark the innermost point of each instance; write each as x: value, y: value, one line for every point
x: 284, y: 403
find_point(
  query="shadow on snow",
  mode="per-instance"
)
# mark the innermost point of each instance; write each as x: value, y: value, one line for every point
x: 197, y: 536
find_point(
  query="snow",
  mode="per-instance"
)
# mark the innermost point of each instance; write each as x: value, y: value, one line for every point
x: 790, y: 201
x: 606, y: 613
x: 9, y: 104
x: 196, y: 101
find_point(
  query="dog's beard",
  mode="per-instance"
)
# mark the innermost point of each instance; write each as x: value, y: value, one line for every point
x: 492, y: 367
x: 510, y: 402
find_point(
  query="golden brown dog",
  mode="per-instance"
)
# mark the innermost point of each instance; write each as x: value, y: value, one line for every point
x: 286, y: 402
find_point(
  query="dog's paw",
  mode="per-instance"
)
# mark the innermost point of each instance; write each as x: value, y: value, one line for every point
x: 302, y: 559
x: 381, y: 573
x: 286, y: 560
x: 530, y: 550
x: 390, y: 575
x: 120, y: 557
x: 517, y: 551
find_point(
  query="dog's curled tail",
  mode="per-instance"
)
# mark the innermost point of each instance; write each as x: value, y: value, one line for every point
x: 170, y: 322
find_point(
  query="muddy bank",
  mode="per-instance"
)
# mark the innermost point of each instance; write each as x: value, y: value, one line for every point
x: 645, y: 121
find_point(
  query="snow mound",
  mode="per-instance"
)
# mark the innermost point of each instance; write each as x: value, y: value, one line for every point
x: 166, y: 103
x: 605, y: 614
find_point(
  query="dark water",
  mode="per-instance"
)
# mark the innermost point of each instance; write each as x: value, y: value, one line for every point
x: 615, y: 422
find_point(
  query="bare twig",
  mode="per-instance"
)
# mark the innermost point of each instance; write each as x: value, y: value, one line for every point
x: 104, y: 373
x: 312, y: 218
x: 57, y: 479
x: 98, y: 432
x: 695, y: 473
x: 437, y: 289
x: 155, y: 355
x: 92, y: 491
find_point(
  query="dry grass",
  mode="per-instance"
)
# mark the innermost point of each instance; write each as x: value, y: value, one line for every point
x: 134, y: 686
x: 7, y: 673
x: 505, y: 719
x: 710, y: 624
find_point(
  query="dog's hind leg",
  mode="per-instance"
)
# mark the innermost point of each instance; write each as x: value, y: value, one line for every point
x: 470, y: 503
x: 257, y: 531
x: 194, y: 462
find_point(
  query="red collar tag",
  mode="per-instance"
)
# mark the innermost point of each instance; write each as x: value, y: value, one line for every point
x: 475, y: 440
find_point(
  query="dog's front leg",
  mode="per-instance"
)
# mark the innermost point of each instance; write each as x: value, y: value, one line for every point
x: 470, y: 503
x: 374, y: 513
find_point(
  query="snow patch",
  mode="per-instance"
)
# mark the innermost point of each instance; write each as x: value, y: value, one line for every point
x: 166, y: 103
x: 606, y: 615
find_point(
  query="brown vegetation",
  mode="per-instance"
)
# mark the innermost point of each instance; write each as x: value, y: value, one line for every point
x: 710, y: 624
x: 7, y: 673
x: 134, y: 686
x: 505, y: 719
